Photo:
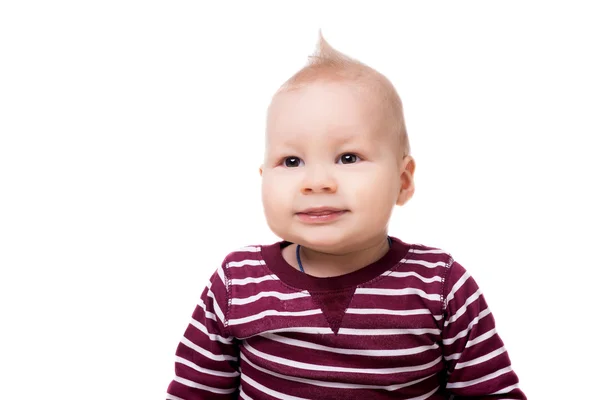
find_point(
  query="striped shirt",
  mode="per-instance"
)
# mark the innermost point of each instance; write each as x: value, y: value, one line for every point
x: 412, y: 325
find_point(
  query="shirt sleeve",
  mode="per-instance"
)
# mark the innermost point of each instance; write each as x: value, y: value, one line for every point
x: 477, y: 363
x: 206, y: 360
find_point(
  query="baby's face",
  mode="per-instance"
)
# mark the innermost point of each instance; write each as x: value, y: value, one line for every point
x: 326, y: 150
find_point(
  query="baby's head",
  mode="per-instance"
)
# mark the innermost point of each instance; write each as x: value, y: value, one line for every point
x: 336, y: 156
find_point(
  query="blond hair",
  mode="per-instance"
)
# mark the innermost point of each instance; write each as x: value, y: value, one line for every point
x: 331, y: 65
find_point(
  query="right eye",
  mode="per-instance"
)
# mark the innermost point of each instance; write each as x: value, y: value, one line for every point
x: 292, y: 162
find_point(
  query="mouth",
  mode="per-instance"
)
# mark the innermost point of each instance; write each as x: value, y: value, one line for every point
x: 320, y: 214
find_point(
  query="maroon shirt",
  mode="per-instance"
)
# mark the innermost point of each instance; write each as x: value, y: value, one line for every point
x: 412, y: 325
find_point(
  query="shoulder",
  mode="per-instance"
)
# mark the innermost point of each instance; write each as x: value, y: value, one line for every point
x: 429, y: 257
x: 246, y: 261
x: 242, y: 254
x: 241, y: 269
x: 456, y: 281
x: 435, y: 262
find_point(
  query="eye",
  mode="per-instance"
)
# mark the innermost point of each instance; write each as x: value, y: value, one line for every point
x: 292, y: 162
x: 349, y: 158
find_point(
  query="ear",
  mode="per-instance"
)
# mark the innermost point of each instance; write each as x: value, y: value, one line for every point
x: 407, y: 182
x: 260, y: 170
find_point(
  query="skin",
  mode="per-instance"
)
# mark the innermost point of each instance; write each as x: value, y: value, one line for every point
x: 328, y: 144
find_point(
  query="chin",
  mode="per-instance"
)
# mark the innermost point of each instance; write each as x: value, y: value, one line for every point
x: 325, y: 240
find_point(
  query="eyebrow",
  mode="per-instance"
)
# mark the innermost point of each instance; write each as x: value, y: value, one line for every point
x: 335, y: 137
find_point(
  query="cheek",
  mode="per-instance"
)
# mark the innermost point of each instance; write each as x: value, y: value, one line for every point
x: 275, y: 195
x: 373, y: 189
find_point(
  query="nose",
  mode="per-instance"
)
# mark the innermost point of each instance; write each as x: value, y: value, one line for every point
x: 318, y: 179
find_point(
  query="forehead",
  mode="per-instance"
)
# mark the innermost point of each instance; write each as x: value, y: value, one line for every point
x: 337, y: 110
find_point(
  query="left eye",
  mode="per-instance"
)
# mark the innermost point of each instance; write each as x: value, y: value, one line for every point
x: 349, y: 158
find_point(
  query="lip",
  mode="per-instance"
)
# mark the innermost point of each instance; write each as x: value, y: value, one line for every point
x: 320, y: 214
x: 316, y: 210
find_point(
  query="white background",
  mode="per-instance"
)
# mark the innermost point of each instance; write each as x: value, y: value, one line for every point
x: 130, y: 141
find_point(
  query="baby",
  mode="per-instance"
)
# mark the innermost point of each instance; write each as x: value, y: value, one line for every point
x: 338, y: 309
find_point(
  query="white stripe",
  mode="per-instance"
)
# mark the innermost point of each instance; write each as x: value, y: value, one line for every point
x: 465, y: 331
x: 356, y: 352
x: 249, y: 249
x: 382, y: 311
x: 280, y: 296
x: 463, y: 309
x: 250, y: 263
x: 171, y: 397
x: 331, y: 384
x: 422, y: 278
x: 386, y: 332
x: 244, y: 396
x: 270, y: 392
x: 481, y: 359
x: 432, y: 251
x: 507, y: 389
x: 216, y: 307
x: 481, y: 338
x: 221, y: 275
x: 457, y: 286
x: 208, y: 314
x: 206, y: 353
x: 427, y: 263
x: 274, y: 313
x: 353, y: 332
x: 397, y: 292
x: 205, y: 370
x: 479, y: 380
x: 321, y: 367
x: 425, y: 396
x: 196, y: 385
x: 214, y: 337
x: 454, y: 356
x: 253, y: 280
x: 300, y: 329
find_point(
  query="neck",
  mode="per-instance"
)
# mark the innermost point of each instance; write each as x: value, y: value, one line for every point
x: 321, y: 264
